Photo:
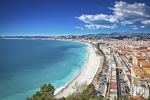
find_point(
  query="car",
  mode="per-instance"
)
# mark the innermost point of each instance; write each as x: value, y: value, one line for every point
x: 102, y: 83
x: 97, y: 92
x: 105, y: 81
x: 104, y: 75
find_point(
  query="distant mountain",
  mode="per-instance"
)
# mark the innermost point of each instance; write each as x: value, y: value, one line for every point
x: 128, y: 33
x: 123, y: 33
x: 141, y: 33
x: 103, y: 34
x: 119, y: 33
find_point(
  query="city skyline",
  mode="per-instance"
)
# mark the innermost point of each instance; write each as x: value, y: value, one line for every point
x: 73, y: 17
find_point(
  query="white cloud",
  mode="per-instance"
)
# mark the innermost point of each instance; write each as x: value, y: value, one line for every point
x: 79, y: 28
x: 135, y: 11
x: 98, y: 21
x: 145, y: 22
x: 134, y: 27
x: 123, y: 13
x: 142, y: 26
x: 126, y: 22
x: 97, y: 17
x: 92, y: 26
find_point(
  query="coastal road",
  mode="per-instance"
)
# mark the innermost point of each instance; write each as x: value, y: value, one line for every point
x: 94, y: 82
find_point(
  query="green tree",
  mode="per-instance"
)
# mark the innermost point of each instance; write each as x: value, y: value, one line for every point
x: 46, y: 93
x: 149, y: 98
x: 47, y: 88
x: 126, y: 97
x: 86, y: 94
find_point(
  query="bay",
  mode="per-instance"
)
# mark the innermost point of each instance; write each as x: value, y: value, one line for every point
x: 25, y: 65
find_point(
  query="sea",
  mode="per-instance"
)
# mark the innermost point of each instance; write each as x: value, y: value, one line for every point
x: 25, y: 65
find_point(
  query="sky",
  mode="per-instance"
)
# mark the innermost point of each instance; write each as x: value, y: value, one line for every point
x: 73, y: 17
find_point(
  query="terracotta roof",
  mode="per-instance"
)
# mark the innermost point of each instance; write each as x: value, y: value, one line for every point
x: 139, y: 74
x: 143, y: 50
x: 147, y: 75
x: 137, y: 98
x: 129, y: 77
x: 148, y: 59
x: 129, y: 57
x: 135, y: 67
x: 129, y: 49
x: 113, y: 85
x: 142, y: 73
x: 139, y: 53
x: 140, y: 58
x: 138, y: 71
x: 113, y: 77
x: 144, y: 64
x: 143, y: 47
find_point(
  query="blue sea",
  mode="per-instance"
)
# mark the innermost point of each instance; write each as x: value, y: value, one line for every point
x: 25, y: 65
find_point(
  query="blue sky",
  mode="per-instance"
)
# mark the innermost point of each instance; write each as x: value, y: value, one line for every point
x: 64, y: 17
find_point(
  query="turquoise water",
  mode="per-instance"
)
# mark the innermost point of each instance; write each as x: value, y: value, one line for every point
x: 25, y: 65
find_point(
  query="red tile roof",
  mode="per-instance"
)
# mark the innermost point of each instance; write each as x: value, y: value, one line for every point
x: 137, y: 98
x: 113, y: 85
x: 145, y: 64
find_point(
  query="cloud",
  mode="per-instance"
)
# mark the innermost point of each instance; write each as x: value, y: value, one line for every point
x: 145, y: 22
x: 134, y: 27
x: 93, y: 26
x: 123, y: 14
x: 142, y: 26
x: 125, y: 22
x: 79, y: 28
x: 134, y: 12
x: 98, y: 21
x: 97, y: 17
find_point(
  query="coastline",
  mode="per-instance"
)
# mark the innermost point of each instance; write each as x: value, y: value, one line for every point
x: 58, y: 90
x: 85, y: 75
x: 29, y: 92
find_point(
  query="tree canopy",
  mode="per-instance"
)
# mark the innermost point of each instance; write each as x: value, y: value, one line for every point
x: 46, y: 93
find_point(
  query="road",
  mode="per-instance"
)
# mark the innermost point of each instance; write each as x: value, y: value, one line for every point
x: 117, y: 78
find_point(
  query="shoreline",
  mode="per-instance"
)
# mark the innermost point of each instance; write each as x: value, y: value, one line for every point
x: 30, y: 92
x: 84, y: 75
x: 58, y: 90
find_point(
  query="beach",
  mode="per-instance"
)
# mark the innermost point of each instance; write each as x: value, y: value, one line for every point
x: 85, y: 75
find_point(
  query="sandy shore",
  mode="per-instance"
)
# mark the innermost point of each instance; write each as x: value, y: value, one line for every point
x: 86, y: 74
